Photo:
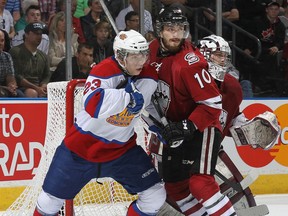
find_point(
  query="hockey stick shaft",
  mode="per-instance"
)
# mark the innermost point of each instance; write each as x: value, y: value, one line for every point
x: 159, y: 110
x: 111, y: 20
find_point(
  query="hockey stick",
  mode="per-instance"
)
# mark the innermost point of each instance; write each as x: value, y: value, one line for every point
x: 259, y: 210
x: 111, y: 20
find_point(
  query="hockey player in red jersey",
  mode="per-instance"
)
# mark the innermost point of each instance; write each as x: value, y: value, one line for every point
x: 189, y: 99
x: 102, y: 141
x: 217, y: 53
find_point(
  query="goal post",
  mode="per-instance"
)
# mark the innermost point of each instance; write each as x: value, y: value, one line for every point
x: 107, y: 198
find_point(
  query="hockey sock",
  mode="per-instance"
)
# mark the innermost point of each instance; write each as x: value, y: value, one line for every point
x: 179, y: 193
x: 206, y: 190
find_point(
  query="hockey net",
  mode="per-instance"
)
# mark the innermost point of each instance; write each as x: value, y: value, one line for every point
x: 108, y: 198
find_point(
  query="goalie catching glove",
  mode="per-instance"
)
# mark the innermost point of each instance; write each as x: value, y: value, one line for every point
x: 175, y: 133
x: 262, y: 131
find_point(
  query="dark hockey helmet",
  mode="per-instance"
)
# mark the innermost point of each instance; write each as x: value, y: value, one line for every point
x: 170, y: 16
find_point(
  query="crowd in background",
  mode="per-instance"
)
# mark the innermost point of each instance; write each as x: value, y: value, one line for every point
x: 32, y: 39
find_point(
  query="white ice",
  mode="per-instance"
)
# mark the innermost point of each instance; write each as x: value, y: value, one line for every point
x: 277, y: 203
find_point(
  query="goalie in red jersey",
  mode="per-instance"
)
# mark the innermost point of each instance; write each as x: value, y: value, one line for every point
x: 189, y: 100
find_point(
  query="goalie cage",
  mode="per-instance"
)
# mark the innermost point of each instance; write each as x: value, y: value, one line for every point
x: 108, y: 198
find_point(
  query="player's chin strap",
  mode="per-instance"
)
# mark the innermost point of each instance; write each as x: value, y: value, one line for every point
x: 262, y: 131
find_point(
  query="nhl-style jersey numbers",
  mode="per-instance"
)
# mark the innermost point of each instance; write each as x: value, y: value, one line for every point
x: 93, y: 85
x: 203, y: 76
x: 184, y: 85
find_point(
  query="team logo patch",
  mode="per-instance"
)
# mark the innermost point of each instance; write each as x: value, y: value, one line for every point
x: 122, y: 119
x: 191, y: 58
x: 123, y: 36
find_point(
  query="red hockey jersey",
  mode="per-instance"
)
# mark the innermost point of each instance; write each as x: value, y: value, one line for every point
x: 232, y: 97
x: 186, y: 89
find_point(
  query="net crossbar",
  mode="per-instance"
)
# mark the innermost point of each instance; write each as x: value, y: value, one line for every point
x: 108, y: 198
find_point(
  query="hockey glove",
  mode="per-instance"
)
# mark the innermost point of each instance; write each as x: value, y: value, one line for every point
x: 175, y: 132
x: 157, y: 131
x: 136, y: 98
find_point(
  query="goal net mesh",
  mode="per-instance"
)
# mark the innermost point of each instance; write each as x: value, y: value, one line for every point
x: 108, y: 198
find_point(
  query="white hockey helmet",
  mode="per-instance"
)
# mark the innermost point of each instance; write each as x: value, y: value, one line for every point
x: 129, y: 42
x: 212, y: 44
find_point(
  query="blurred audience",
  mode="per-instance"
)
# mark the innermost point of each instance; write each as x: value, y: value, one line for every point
x: 88, y: 21
x: 134, y: 6
x: 6, y: 20
x: 21, y: 23
x: 271, y: 32
x: 47, y: 8
x: 132, y: 21
x: 8, y: 85
x: 81, y: 64
x: 33, y: 15
x: 31, y: 64
x: 13, y: 6
x: 103, y: 45
x: 57, y: 40
x: 82, y: 8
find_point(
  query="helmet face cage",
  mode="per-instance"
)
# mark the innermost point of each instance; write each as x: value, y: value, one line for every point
x: 172, y: 16
x: 212, y: 45
x: 129, y: 42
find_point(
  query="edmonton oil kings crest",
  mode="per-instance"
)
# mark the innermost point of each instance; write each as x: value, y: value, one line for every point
x: 122, y: 119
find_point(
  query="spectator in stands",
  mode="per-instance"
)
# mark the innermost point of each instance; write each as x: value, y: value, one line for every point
x: 82, y: 8
x: 132, y: 21
x: 103, y: 45
x: 229, y: 12
x: 114, y: 7
x: 249, y: 11
x: 77, y: 23
x: 57, y: 40
x: 47, y: 8
x: 6, y: 20
x: 271, y: 32
x: 31, y: 65
x: 13, y: 6
x: 81, y: 64
x: 33, y: 15
x: 284, y: 20
x: 7, y: 46
x: 21, y: 23
x: 134, y: 6
x: 8, y: 85
x: 88, y: 21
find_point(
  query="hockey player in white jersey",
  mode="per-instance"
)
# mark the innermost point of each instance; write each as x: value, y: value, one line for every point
x: 102, y: 141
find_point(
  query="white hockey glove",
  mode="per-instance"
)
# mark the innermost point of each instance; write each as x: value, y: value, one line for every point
x: 262, y: 131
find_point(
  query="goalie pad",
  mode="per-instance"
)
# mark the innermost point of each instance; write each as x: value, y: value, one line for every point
x: 239, y: 198
x: 262, y: 131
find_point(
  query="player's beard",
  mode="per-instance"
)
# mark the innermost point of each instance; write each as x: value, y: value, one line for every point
x: 172, y: 49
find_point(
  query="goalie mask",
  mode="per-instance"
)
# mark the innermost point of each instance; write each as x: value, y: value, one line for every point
x: 130, y: 42
x: 217, y: 53
x: 262, y: 131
